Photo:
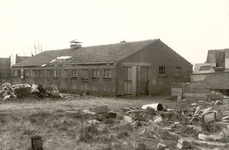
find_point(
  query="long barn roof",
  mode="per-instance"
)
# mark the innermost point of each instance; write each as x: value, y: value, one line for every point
x: 92, y: 54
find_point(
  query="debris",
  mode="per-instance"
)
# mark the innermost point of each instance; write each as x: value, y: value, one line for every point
x: 218, y: 102
x: 36, y: 142
x: 7, y: 97
x: 125, y: 143
x: 100, y: 109
x: 183, y: 144
x: 211, y: 116
x: 127, y: 119
x: 7, y: 91
x: 209, y: 137
x: 95, y: 122
x: 54, y: 91
x: 38, y: 91
x: 24, y: 91
x: 158, y: 119
x: 161, y: 146
x: 156, y: 106
x: 225, y: 119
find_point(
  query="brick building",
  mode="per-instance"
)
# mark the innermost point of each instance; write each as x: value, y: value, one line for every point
x: 4, y: 70
x: 126, y: 68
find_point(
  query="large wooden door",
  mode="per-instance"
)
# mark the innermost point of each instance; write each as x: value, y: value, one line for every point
x: 143, y: 80
x: 84, y: 84
x: 128, y: 82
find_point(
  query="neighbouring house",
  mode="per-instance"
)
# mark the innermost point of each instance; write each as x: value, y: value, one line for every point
x: 126, y: 68
x: 215, y: 71
x: 21, y: 58
x: 4, y: 70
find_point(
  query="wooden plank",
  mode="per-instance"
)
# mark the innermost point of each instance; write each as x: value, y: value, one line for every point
x: 176, y: 85
x: 198, y: 86
x: 176, y: 89
x: 199, y: 90
x: 188, y: 94
x: 174, y: 93
x: 187, y: 89
x: 179, y: 97
x: 199, y: 95
x: 209, y: 117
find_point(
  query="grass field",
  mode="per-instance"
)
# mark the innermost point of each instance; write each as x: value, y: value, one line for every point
x: 23, y: 118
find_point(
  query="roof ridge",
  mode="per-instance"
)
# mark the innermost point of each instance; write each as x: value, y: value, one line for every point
x: 120, y: 43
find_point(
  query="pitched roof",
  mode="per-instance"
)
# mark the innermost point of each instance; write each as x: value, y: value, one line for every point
x: 4, y: 63
x: 92, y: 54
x: 21, y: 58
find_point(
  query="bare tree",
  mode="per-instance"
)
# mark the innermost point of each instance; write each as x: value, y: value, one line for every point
x: 36, y: 48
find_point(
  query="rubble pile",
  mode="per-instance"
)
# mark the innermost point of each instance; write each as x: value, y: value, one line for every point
x: 205, y: 120
x: 9, y: 91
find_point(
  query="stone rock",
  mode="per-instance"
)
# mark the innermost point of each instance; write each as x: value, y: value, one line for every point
x: 127, y: 119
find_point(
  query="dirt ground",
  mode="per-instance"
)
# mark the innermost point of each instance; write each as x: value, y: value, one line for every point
x: 22, y: 119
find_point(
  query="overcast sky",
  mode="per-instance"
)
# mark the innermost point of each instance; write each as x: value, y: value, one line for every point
x: 190, y: 27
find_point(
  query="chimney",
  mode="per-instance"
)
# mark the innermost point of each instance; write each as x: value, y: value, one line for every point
x: 226, y: 58
x: 74, y: 44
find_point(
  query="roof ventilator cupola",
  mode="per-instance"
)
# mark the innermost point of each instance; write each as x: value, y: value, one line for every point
x: 74, y: 44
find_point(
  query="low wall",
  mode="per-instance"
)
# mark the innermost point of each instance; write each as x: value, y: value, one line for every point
x: 190, y: 90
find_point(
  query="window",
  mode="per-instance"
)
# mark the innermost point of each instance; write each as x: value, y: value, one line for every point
x: 26, y: 73
x: 95, y: 73
x: 15, y: 73
x: 178, y: 71
x: 107, y: 73
x: 47, y: 74
x: 162, y: 71
x: 84, y: 76
x: 19, y: 73
x: 56, y: 73
x: 64, y: 73
x: 40, y: 73
x: 22, y: 73
x: 33, y: 73
x: 74, y: 73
